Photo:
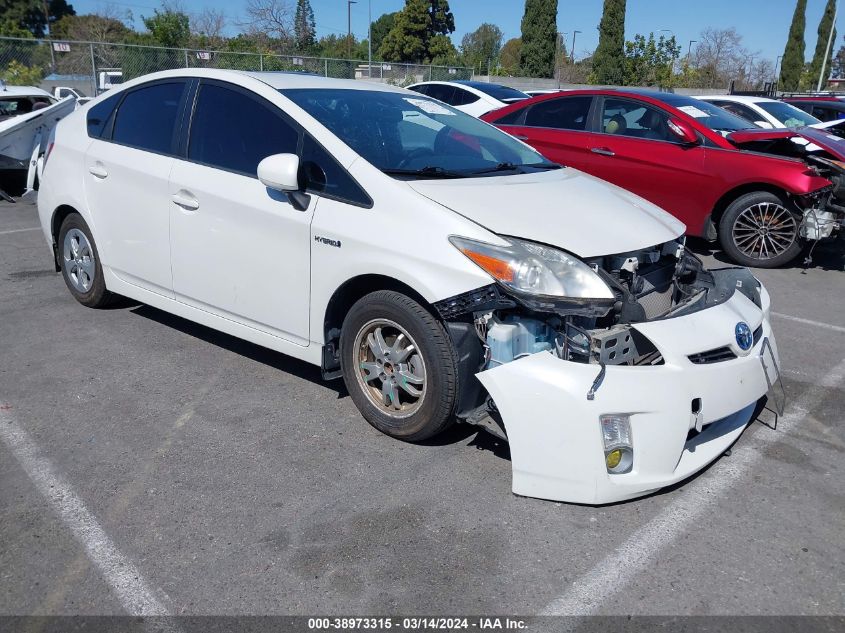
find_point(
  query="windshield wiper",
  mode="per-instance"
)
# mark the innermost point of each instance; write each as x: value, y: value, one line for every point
x: 430, y: 171
x: 514, y: 167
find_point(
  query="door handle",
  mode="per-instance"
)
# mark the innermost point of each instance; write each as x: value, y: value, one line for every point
x: 604, y: 151
x: 187, y: 202
x: 98, y: 171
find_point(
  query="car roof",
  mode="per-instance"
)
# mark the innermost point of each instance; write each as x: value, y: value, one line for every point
x: 276, y: 80
x: 736, y: 98
x: 833, y: 104
x: 22, y: 91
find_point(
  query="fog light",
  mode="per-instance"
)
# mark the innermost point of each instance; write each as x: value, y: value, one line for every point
x: 613, y: 458
x: 618, y: 443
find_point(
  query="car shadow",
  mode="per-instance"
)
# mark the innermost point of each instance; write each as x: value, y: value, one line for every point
x: 253, y: 352
x: 825, y: 255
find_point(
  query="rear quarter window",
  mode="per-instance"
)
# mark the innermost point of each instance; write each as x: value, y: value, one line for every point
x: 99, y: 116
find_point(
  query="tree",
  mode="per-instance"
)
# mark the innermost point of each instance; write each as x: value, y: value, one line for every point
x: 719, y: 57
x: 304, y: 27
x: 482, y: 46
x: 609, y: 58
x: 34, y: 16
x: 838, y: 63
x: 509, y: 57
x: 413, y: 37
x: 17, y: 74
x: 793, y: 55
x: 820, y: 57
x: 171, y: 29
x: 381, y: 27
x: 207, y: 28
x: 93, y: 27
x: 539, y: 38
x: 649, y: 62
x: 270, y: 18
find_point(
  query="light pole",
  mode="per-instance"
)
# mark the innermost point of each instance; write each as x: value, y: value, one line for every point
x: 560, y: 42
x: 572, y: 52
x: 777, y: 76
x: 689, y: 49
x: 370, y: 40
x: 349, y: 4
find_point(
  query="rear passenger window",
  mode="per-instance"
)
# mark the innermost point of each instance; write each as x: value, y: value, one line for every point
x: 146, y: 118
x: 323, y: 175
x: 98, y: 117
x: 233, y: 131
x: 567, y: 113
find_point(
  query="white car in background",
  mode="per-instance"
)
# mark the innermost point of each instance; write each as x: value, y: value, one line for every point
x: 764, y: 112
x: 473, y: 97
x: 443, y: 269
x: 545, y: 91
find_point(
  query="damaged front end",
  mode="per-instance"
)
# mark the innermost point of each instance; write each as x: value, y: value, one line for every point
x: 571, y: 372
x: 823, y: 210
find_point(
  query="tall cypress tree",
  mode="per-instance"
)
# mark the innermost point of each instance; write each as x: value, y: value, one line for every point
x: 539, y: 34
x: 825, y: 26
x: 793, y: 54
x: 609, y: 58
x: 304, y: 28
x: 420, y: 32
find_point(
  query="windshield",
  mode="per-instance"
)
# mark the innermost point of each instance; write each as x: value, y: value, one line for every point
x: 788, y: 115
x: 707, y: 114
x: 409, y: 134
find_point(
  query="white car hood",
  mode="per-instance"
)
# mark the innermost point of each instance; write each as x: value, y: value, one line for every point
x: 565, y: 208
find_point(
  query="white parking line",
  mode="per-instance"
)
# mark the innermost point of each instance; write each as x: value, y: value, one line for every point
x: 34, y: 228
x: 118, y: 571
x: 588, y: 592
x: 826, y: 326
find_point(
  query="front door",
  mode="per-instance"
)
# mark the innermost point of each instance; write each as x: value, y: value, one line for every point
x: 239, y: 249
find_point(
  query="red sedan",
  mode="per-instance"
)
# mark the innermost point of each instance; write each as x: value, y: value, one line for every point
x: 761, y: 193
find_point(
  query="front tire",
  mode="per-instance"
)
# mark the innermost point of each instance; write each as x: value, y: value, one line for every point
x: 80, y: 263
x: 760, y: 229
x: 399, y: 366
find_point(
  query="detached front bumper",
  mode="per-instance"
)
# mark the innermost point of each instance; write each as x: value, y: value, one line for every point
x: 554, y: 433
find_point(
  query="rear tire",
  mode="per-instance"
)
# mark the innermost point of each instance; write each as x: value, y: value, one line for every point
x: 399, y: 366
x: 760, y: 229
x: 80, y: 263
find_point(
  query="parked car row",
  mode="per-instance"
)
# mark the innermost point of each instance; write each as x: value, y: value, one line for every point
x: 444, y: 269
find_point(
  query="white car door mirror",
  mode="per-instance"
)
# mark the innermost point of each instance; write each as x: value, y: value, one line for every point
x: 280, y: 172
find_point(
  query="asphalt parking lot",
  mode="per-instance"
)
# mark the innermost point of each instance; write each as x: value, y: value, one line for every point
x: 226, y: 479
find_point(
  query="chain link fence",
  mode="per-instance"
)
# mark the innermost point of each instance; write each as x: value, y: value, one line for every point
x: 92, y: 67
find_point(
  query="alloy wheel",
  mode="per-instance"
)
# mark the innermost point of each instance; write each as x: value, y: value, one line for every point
x: 390, y: 369
x: 765, y: 230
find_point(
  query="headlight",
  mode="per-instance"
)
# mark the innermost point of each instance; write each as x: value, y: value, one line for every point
x: 534, y: 269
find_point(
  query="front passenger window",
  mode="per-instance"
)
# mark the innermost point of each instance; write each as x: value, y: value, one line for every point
x: 235, y: 132
x: 634, y: 119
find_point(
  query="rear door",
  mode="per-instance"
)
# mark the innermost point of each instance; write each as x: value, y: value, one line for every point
x: 634, y: 148
x: 127, y: 168
x: 557, y: 128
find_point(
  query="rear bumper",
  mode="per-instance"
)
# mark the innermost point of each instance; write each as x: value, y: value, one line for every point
x: 553, y: 430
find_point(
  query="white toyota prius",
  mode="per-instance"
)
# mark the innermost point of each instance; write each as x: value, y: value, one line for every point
x: 445, y: 270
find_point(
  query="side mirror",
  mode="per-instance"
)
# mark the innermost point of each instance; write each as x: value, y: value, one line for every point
x: 684, y: 131
x: 280, y: 172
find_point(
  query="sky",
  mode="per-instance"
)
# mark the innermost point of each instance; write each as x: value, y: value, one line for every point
x: 763, y: 24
